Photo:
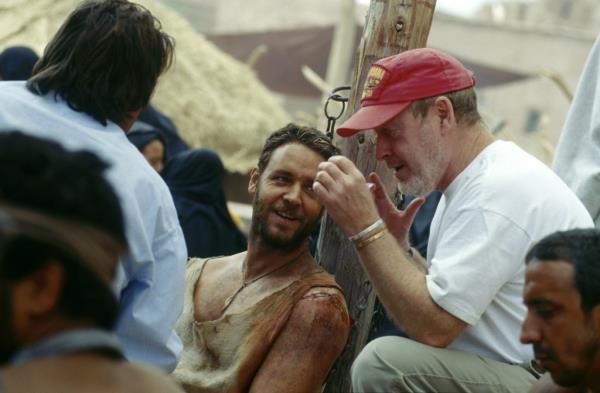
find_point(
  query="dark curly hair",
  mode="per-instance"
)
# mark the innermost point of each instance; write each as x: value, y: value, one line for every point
x: 105, y: 59
x: 581, y: 248
x: 310, y: 137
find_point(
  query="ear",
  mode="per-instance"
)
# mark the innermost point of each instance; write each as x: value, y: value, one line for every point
x: 39, y: 293
x: 444, y: 112
x: 254, y: 178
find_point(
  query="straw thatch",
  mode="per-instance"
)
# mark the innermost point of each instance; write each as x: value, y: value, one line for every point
x: 214, y: 100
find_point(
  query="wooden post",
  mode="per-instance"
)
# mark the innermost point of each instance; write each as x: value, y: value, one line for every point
x: 392, y: 26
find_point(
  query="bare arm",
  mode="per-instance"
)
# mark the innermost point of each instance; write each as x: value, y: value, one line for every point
x: 306, y: 348
x: 418, y: 261
x: 399, y: 283
x: 401, y: 287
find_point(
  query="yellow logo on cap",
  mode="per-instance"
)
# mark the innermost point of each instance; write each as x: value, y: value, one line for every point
x: 374, y: 77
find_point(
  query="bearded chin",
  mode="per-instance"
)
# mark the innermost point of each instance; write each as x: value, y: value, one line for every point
x: 416, y: 187
x: 282, y: 244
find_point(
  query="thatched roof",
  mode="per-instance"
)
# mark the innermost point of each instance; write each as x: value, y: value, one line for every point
x: 214, y: 100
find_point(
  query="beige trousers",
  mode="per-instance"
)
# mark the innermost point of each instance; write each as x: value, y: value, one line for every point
x: 397, y: 364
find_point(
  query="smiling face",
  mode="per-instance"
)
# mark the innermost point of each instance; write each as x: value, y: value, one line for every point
x: 412, y: 147
x: 285, y: 209
x: 564, y: 338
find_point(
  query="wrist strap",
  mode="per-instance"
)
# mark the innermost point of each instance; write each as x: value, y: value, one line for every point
x: 365, y: 232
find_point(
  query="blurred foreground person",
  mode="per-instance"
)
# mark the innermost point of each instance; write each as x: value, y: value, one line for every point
x: 195, y: 179
x: 269, y: 319
x: 562, y: 294
x: 61, y: 234
x: 16, y: 63
x: 95, y: 76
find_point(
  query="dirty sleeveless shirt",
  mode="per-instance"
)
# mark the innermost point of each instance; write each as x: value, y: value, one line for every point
x: 223, y: 355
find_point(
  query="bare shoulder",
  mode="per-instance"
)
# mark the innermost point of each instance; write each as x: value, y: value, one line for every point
x: 218, y: 265
x: 306, y: 348
x: 195, y: 262
x: 322, y: 310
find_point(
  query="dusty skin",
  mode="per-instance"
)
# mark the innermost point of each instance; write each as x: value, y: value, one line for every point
x: 282, y: 333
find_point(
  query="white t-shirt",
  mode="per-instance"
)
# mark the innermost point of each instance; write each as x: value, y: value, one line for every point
x: 488, y: 218
x: 150, y: 278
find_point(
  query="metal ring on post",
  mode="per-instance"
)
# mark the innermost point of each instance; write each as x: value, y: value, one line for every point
x: 334, y: 96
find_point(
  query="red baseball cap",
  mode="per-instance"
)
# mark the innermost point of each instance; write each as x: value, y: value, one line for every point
x: 394, y: 82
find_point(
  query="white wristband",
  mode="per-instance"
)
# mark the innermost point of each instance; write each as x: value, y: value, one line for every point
x: 367, y: 230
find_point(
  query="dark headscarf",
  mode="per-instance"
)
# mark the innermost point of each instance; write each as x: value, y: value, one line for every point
x: 195, y: 178
x: 16, y: 63
x: 141, y: 134
x: 153, y: 117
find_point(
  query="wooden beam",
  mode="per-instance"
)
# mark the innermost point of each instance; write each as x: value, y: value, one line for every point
x: 392, y: 26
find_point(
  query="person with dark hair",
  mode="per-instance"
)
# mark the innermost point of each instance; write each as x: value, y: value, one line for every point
x: 61, y: 235
x: 16, y: 63
x: 195, y: 179
x: 268, y: 319
x: 150, y: 142
x: 461, y: 307
x: 562, y: 295
x: 95, y: 76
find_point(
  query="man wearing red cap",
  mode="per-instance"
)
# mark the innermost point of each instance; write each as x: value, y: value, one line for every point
x: 461, y: 308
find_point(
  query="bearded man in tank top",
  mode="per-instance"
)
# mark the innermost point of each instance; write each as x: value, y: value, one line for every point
x: 268, y: 319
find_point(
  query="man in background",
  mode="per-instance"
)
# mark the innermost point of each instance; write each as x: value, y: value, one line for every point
x: 562, y: 294
x: 95, y: 76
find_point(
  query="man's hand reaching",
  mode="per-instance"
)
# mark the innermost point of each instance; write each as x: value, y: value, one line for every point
x: 397, y: 221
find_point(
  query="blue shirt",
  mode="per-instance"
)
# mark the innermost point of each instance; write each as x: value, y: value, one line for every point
x: 149, y: 283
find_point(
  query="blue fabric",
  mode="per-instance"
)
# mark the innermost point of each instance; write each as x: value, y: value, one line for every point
x: 68, y: 342
x: 195, y: 178
x: 419, y: 231
x: 149, y: 282
x: 175, y: 144
x: 16, y: 63
x: 141, y: 134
